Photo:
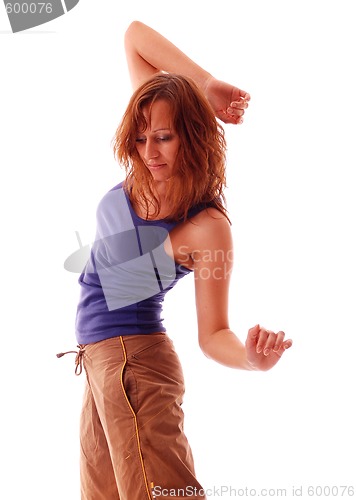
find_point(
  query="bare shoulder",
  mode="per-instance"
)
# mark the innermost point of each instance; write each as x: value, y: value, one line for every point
x: 209, y: 226
x: 209, y: 216
x: 208, y: 229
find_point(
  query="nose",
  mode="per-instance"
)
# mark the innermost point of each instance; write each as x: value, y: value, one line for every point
x: 151, y: 150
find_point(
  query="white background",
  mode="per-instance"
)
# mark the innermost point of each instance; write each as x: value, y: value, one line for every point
x: 64, y: 86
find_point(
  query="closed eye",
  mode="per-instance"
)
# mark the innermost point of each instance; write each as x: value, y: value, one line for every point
x: 164, y: 138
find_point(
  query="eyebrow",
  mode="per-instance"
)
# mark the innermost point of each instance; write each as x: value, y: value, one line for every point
x: 159, y: 129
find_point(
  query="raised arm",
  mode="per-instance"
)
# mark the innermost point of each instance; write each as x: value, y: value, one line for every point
x: 148, y: 52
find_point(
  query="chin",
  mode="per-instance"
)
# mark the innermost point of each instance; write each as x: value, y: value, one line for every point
x: 161, y: 177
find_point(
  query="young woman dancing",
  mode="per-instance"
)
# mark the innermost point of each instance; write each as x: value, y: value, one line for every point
x: 167, y: 219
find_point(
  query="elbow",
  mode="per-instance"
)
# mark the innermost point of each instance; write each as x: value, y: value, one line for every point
x: 134, y: 35
x: 206, y: 352
x: 205, y: 344
x: 129, y: 32
x: 133, y: 27
x: 211, y: 342
x: 202, y: 347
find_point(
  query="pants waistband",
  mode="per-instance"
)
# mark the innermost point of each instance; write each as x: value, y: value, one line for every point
x: 132, y: 342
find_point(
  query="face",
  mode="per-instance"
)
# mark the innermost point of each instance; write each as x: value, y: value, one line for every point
x: 158, y: 145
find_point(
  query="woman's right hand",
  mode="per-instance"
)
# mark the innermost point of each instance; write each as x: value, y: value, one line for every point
x: 228, y: 102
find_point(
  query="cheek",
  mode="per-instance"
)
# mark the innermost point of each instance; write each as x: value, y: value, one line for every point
x: 139, y: 151
x: 175, y: 150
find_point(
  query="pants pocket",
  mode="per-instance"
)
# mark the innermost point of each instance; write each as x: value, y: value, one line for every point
x: 129, y: 384
x: 139, y: 354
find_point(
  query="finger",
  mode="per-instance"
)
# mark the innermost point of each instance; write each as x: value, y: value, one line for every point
x: 262, y: 339
x: 242, y: 94
x: 239, y: 104
x: 270, y: 342
x: 234, y: 115
x: 235, y: 111
x: 226, y: 118
x: 285, y: 345
x: 252, y: 335
x: 245, y: 95
x: 279, y: 341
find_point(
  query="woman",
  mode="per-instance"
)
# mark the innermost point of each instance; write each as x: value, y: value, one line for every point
x: 167, y: 219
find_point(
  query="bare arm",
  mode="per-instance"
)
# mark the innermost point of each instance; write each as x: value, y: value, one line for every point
x: 212, y: 256
x: 148, y: 52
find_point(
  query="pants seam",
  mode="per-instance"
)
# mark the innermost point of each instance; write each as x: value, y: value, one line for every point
x: 135, y: 420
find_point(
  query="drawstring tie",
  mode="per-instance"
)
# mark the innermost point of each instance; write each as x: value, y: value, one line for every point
x: 78, y: 358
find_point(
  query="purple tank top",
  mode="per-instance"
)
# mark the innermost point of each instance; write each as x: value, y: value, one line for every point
x: 125, y: 280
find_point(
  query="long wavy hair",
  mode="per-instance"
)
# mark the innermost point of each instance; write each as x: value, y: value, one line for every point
x: 200, y: 169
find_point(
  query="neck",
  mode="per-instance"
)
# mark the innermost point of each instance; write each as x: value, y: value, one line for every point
x: 161, y: 190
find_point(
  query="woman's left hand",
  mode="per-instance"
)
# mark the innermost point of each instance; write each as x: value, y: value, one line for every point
x: 228, y: 102
x: 264, y: 348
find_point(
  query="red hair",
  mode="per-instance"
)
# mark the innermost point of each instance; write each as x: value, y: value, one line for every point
x: 200, y: 176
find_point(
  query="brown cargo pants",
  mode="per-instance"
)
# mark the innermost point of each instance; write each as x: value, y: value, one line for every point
x: 133, y: 446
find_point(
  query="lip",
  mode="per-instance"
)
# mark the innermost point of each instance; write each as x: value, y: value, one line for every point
x: 157, y: 166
